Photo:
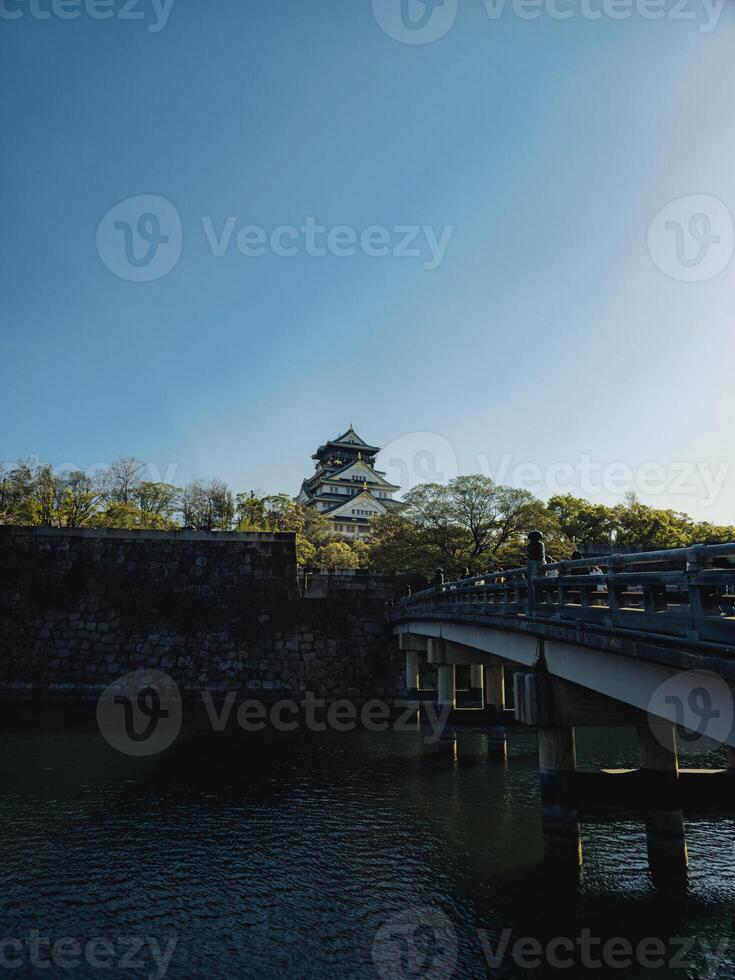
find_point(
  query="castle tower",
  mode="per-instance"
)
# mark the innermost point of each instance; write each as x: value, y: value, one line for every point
x: 346, y: 487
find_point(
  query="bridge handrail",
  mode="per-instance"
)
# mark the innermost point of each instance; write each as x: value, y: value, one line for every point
x: 695, y: 600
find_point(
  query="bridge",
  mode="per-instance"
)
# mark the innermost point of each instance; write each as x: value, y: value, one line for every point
x: 642, y: 640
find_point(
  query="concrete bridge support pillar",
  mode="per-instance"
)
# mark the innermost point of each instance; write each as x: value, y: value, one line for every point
x: 476, y: 682
x: 446, y: 676
x: 557, y: 762
x: 447, y: 686
x: 667, y: 849
x: 412, y: 672
x: 413, y: 647
x: 494, y: 707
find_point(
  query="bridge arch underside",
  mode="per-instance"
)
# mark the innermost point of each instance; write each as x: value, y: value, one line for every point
x: 654, y: 676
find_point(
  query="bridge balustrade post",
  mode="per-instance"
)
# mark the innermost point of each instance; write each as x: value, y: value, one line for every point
x: 613, y: 589
x: 701, y: 597
x: 560, y: 818
x: 665, y: 837
x: 534, y: 567
x: 655, y: 599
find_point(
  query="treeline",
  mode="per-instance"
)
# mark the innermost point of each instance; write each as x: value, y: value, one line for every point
x: 471, y: 523
x: 33, y: 494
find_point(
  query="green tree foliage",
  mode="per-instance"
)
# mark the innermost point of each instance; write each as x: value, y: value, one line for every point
x: 631, y: 525
x: 132, y: 517
x: 160, y: 502
x: 277, y: 512
x: 470, y: 523
x: 637, y: 525
x: 397, y: 544
x: 37, y: 495
x: 583, y: 522
x: 337, y: 554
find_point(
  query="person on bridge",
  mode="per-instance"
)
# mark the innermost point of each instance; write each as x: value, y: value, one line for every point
x: 554, y: 572
x: 578, y: 556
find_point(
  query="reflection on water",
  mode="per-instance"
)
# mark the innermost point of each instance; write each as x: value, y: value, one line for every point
x: 284, y: 855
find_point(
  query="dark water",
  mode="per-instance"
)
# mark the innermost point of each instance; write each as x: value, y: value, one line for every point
x: 284, y: 855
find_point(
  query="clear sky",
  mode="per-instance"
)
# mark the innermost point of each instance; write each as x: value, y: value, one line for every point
x: 551, y: 331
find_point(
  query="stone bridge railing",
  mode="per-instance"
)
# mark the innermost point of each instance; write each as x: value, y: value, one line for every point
x: 685, y: 593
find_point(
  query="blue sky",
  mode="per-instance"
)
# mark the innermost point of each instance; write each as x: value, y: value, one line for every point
x: 547, y: 335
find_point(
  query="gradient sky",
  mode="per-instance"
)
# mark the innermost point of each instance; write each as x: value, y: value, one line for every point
x: 546, y: 336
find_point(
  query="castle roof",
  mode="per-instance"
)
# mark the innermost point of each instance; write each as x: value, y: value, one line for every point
x: 327, y: 475
x: 348, y: 440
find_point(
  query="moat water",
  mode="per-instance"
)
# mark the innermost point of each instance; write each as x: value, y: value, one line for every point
x: 326, y: 855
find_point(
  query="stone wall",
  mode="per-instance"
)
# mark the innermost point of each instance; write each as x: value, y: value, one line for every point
x: 215, y: 611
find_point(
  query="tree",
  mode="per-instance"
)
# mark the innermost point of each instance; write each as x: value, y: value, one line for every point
x: 250, y: 512
x: 158, y: 501
x: 647, y: 527
x: 317, y: 527
x: 79, y: 499
x: 277, y: 512
x: 48, y: 495
x: 337, y: 554
x: 19, y: 505
x: 583, y: 522
x: 706, y: 533
x: 492, y: 515
x: 305, y: 551
x: 398, y: 544
x: 208, y: 505
x: 63, y: 499
x: 536, y: 516
x: 361, y: 550
x: 468, y: 522
x: 132, y: 517
x: 122, y: 479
